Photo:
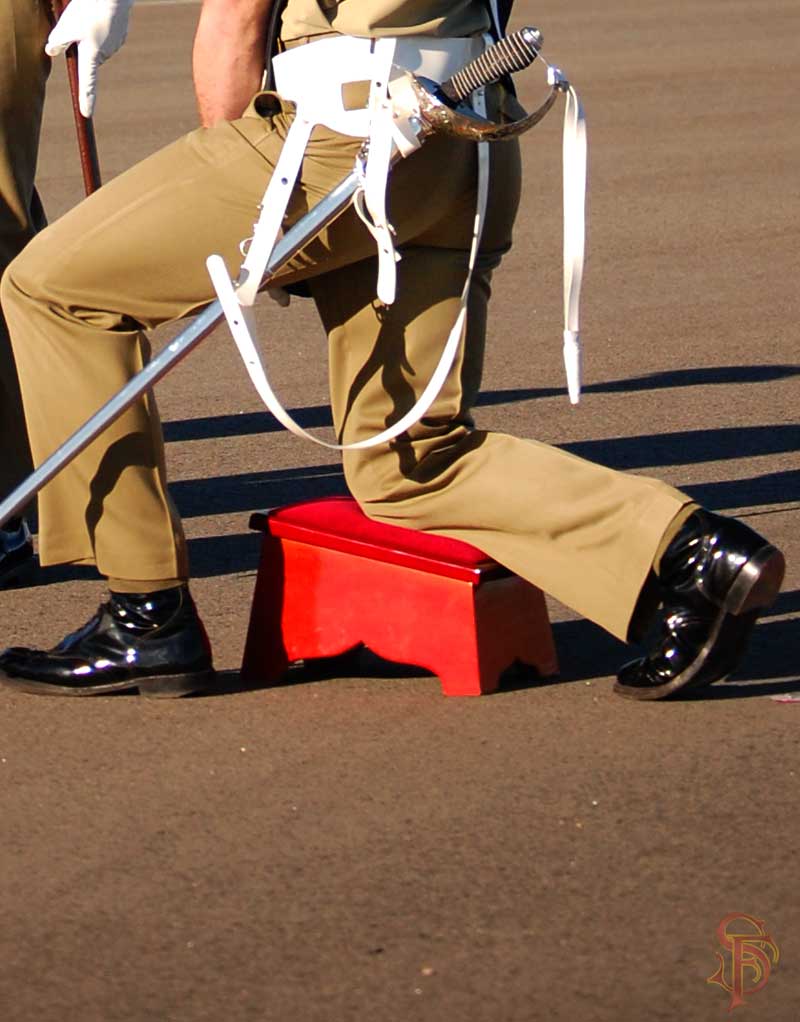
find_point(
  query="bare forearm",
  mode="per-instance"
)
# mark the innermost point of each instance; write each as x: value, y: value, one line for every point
x: 228, y: 56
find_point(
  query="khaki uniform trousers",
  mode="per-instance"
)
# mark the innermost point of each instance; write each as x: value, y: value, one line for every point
x: 132, y: 256
x: 23, y: 73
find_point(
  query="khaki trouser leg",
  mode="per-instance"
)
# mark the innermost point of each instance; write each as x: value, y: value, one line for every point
x: 79, y: 297
x: 584, y: 533
x: 77, y: 300
x: 23, y: 72
x: 131, y: 257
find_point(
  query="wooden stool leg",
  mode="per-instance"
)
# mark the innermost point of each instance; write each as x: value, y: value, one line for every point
x: 265, y: 657
x: 434, y: 629
x: 512, y: 624
x: 310, y: 601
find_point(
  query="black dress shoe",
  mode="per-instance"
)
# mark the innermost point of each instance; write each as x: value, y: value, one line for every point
x: 17, y: 561
x: 153, y: 642
x: 716, y: 576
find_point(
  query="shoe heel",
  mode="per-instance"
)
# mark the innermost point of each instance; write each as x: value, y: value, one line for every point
x: 173, y: 686
x: 758, y: 582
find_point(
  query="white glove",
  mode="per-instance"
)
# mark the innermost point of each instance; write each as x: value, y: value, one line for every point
x: 99, y: 28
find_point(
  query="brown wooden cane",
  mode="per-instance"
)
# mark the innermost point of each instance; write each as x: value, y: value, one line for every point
x: 87, y: 147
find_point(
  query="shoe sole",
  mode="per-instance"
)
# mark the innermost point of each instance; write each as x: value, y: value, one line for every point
x: 758, y: 582
x: 755, y: 588
x: 165, y: 686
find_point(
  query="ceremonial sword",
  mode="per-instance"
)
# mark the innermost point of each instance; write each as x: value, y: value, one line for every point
x: 440, y: 108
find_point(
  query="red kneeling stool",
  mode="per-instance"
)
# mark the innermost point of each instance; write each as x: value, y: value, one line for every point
x: 331, y: 579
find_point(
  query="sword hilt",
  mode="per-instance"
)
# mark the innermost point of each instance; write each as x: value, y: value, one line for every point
x: 510, y: 54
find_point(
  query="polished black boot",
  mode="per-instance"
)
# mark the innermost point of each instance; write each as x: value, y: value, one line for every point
x: 716, y: 575
x: 17, y: 561
x: 153, y: 642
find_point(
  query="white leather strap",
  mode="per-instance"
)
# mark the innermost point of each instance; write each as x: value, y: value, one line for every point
x: 376, y: 173
x: 312, y: 77
x: 574, y: 172
x: 273, y: 209
x: 241, y: 323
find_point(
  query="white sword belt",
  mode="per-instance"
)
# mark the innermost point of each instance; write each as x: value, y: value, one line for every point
x: 312, y: 76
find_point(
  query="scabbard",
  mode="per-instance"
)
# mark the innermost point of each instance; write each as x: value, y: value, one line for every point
x: 84, y: 126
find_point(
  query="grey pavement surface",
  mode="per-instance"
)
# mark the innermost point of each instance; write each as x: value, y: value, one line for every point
x: 356, y: 846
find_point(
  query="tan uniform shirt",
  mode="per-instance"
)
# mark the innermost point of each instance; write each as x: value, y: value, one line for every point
x: 303, y: 18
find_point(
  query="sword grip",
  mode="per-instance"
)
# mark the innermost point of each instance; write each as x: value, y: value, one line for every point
x: 510, y: 54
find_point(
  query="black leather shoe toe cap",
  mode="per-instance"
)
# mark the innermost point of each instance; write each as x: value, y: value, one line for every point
x: 674, y: 670
x: 154, y: 643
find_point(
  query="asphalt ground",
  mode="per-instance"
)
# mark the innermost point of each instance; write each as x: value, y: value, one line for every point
x: 352, y: 845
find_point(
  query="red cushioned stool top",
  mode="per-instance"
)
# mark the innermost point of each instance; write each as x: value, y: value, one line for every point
x: 338, y: 523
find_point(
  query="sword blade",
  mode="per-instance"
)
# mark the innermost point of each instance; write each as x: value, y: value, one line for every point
x: 292, y: 242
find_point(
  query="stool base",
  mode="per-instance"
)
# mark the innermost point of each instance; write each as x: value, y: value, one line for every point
x: 314, y: 602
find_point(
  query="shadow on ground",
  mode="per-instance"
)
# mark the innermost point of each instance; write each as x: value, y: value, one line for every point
x: 318, y: 416
x: 253, y: 491
x: 586, y: 653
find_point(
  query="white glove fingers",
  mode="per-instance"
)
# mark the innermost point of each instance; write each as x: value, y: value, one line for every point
x: 62, y: 36
x: 89, y: 60
x: 99, y: 27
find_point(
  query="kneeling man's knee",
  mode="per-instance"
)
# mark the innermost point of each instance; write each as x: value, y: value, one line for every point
x: 373, y: 476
